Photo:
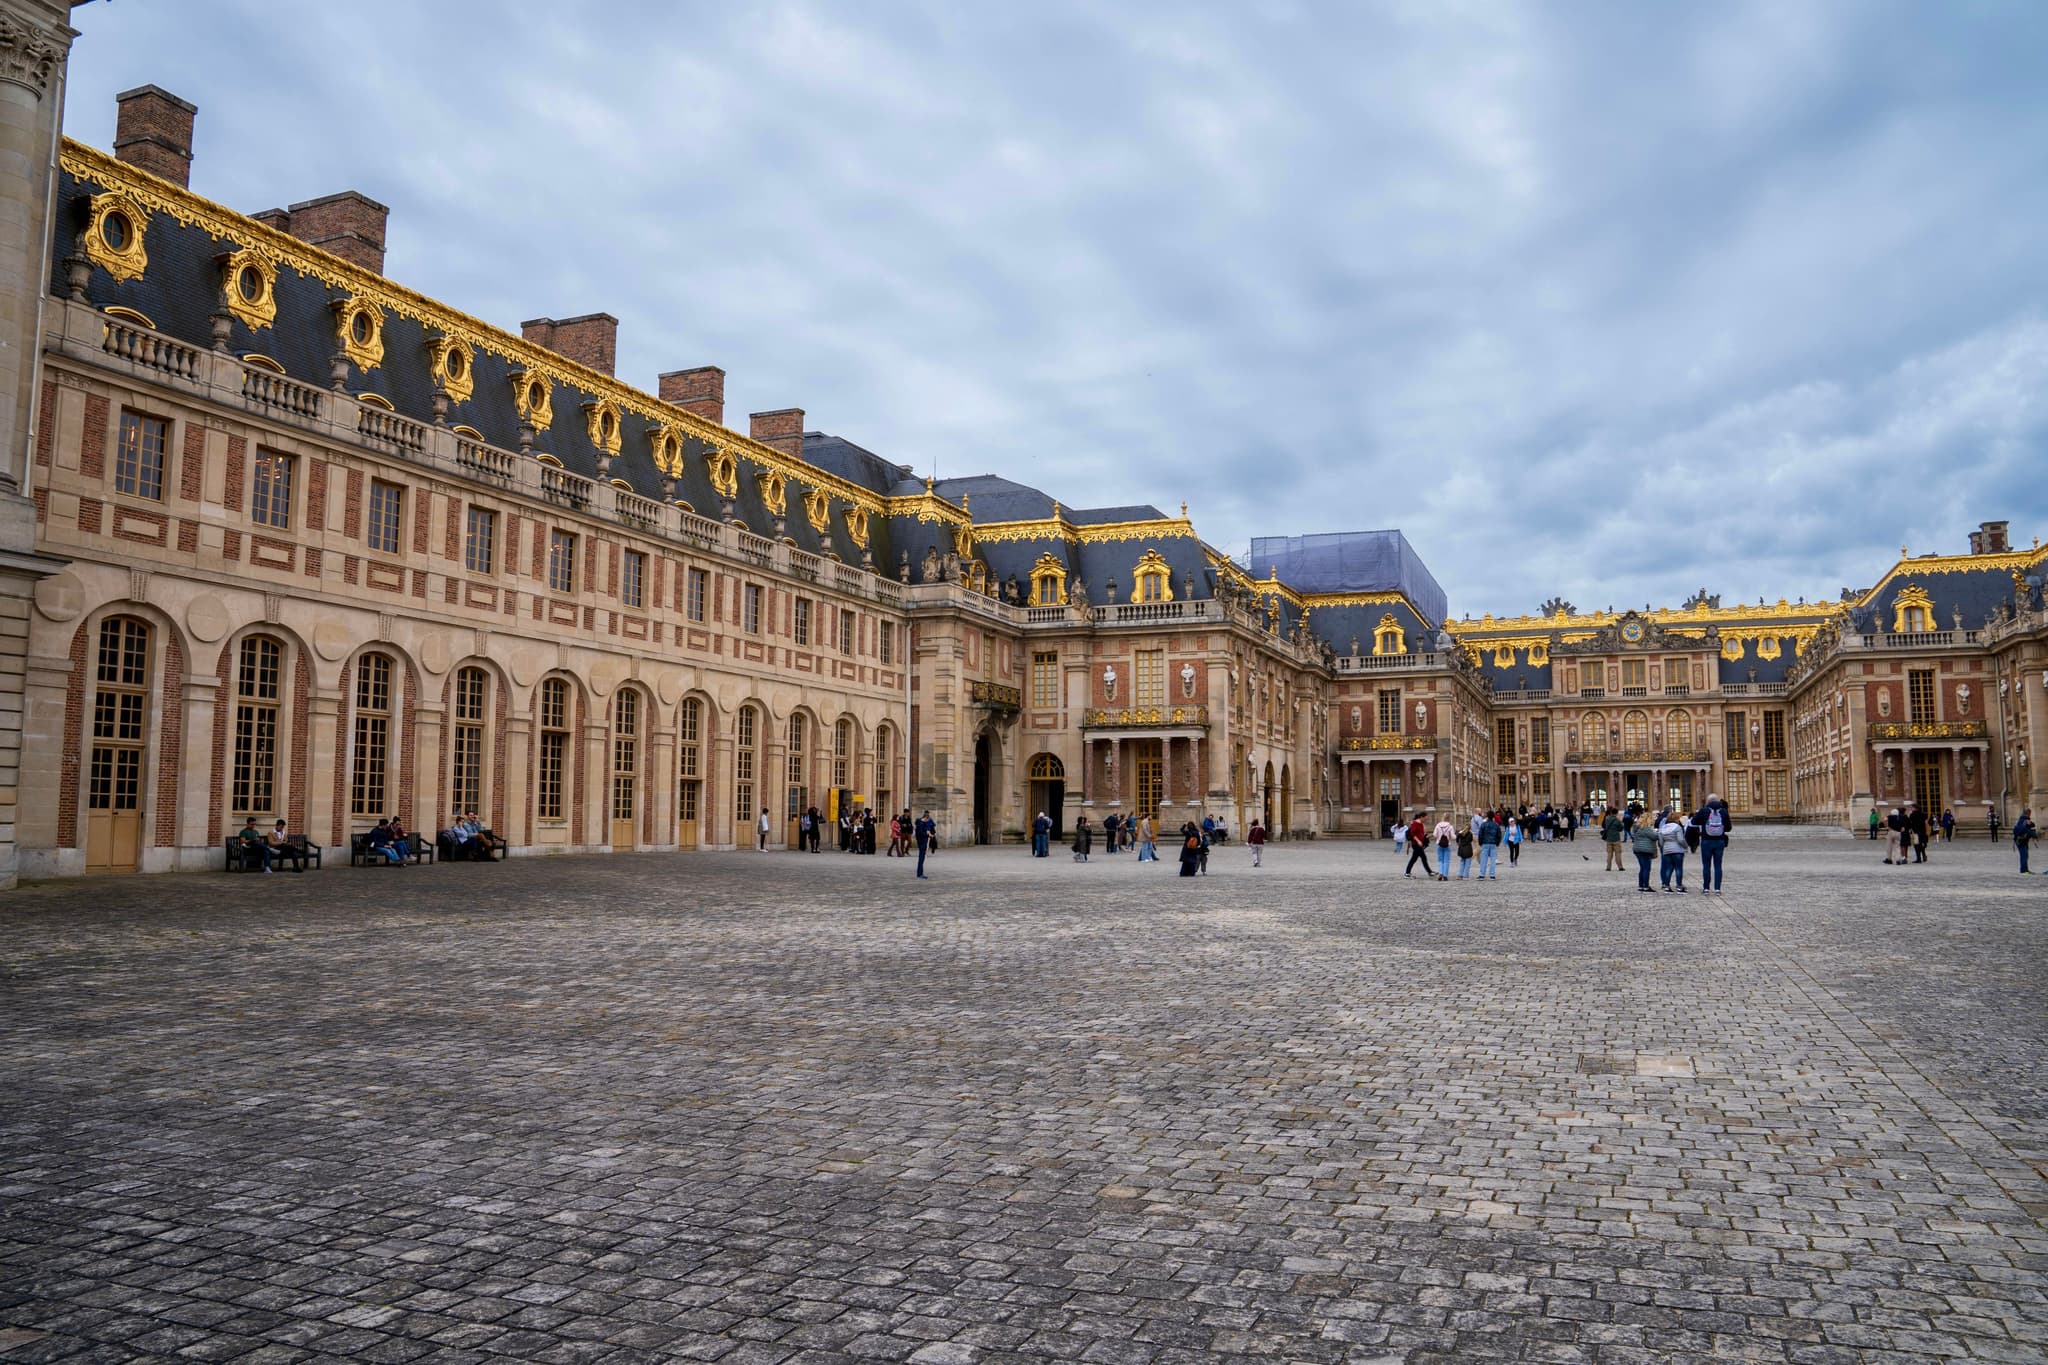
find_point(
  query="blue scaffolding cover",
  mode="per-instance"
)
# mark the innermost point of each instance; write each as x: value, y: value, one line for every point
x: 1351, y: 561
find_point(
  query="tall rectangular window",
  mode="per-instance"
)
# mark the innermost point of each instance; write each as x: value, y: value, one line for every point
x: 1390, y: 711
x: 744, y: 760
x: 387, y: 508
x: 480, y: 540
x: 466, y: 776
x: 632, y: 578
x: 1774, y: 734
x: 270, y: 493
x: 1635, y: 673
x: 1738, y: 734
x: 1504, y: 741
x: 846, y: 628
x: 750, y: 613
x: 1148, y: 687
x: 697, y: 589
x: 886, y: 646
x: 1539, y: 739
x: 554, y: 748
x: 119, y: 720
x: 801, y: 626
x: 561, y: 561
x: 372, y: 736
x: 1920, y: 696
x: 258, y: 690
x: 1045, y: 679
x: 139, y: 456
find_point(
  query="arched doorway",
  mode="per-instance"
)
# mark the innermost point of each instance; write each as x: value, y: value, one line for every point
x: 625, y: 784
x: 983, y: 756
x: 1049, y: 792
x: 120, y: 747
x: 1266, y: 799
x: 1286, y: 798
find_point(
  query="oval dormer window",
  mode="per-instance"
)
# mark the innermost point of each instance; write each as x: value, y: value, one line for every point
x: 116, y: 231
x: 455, y: 363
x: 535, y: 392
x: 359, y: 327
x: 249, y: 280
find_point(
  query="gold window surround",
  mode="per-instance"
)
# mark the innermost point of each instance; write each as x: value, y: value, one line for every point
x: 359, y: 328
x: 113, y: 235
x: 725, y: 472
x: 450, y: 365
x: 818, y: 510
x: 1912, y: 598
x: 248, y: 283
x: 856, y: 519
x: 534, y: 398
x: 665, y: 448
x: 601, y: 422
x: 774, y: 491
x: 1048, y: 582
x: 1152, y: 578
x: 149, y: 195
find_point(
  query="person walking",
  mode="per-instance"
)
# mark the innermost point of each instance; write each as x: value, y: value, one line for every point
x: 1443, y: 835
x: 1894, y: 835
x: 1418, y: 849
x: 927, y: 835
x: 1916, y: 830
x: 1714, y: 824
x: 2023, y: 835
x: 1465, y: 842
x: 1671, y: 843
x: 1041, y: 835
x: 1489, y: 848
x: 1190, y: 849
x: 1643, y: 843
x: 1514, y: 841
x: 1257, y: 840
x: 1148, y: 851
x: 1611, y: 832
x: 1948, y: 825
x: 1083, y: 838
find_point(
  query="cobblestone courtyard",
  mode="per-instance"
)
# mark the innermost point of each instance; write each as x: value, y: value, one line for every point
x: 766, y: 1108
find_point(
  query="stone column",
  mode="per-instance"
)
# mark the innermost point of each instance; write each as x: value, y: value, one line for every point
x: 201, y: 695
x: 324, y: 749
x: 34, y: 42
x: 519, y: 798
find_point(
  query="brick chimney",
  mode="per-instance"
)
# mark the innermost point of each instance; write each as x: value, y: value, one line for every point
x: 782, y: 429
x: 591, y: 340
x: 1993, y: 535
x: 153, y: 132
x: 349, y: 224
x: 274, y: 218
x: 701, y: 391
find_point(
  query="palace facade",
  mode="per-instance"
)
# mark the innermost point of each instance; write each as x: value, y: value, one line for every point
x: 306, y: 544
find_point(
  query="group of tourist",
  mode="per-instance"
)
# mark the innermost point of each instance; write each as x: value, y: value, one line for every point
x: 1124, y: 832
x: 1665, y: 839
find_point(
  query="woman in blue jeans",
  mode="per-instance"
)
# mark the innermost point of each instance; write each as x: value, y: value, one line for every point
x: 1714, y: 823
x: 1671, y: 843
x: 1642, y: 841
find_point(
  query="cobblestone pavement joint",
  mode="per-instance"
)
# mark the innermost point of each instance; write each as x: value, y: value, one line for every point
x: 781, y: 1108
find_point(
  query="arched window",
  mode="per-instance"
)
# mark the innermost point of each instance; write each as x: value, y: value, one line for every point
x: 1635, y: 733
x: 1048, y: 768
x: 471, y: 723
x: 842, y: 753
x: 120, y: 743
x: 259, y: 692
x: 553, y: 757
x: 1152, y: 578
x: 625, y: 765
x: 369, y: 787
x: 745, y: 768
x: 1594, y: 731
x: 1048, y: 582
x: 1678, y: 732
x: 796, y: 792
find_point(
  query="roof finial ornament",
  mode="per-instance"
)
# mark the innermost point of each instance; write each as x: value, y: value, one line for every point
x: 1183, y: 511
x: 927, y: 485
x: 1055, y: 509
x: 964, y: 507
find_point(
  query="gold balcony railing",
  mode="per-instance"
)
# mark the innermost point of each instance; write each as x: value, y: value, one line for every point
x: 1928, y: 729
x: 1384, y: 743
x: 995, y: 694
x: 1134, y: 717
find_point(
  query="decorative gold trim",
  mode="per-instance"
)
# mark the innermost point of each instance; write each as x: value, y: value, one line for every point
x: 223, y: 224
x: 601, y: 421
x: 1381, y: 743
x: 1938, y: 729
x: 1006, y: 532
x: 1683, y: 618
x: 725, y: 472
x: 271, y: 363
x: 1928, y: 565
x: 376, y: 400
x: 1388, y: 637
x: 245, y: 270
x: 452, y: 366
x: 1100, y: 717
x: 534, y: 398
x: 818, y: 510
x: 1117, y: 532
x: 127, y: 314
x: 363, y: 344
x: 471, y: 432
x: 774, y: 492
x: 1048, y: 582
x: 130, y: 258
x: 856, y: 519
x: 665, y: 448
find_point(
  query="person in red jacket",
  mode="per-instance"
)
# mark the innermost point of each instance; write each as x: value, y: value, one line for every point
x: 1418, y: 849
x: 1257, y: 839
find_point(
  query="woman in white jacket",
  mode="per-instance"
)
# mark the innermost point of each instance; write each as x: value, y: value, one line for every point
x: 1671, y: 843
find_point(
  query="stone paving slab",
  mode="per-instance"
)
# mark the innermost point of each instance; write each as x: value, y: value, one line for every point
x: 789, y: 1108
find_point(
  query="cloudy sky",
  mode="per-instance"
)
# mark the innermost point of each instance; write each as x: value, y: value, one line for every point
x: 1607, y: 300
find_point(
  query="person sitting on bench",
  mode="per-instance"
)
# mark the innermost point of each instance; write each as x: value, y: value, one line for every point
x: 254, y: 846
x: 382, y: 843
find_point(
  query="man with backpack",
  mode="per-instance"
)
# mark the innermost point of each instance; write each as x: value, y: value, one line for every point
x: 1713, y: 824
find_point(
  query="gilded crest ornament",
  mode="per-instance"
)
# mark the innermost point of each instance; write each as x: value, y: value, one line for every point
x: 724, y: 469
x: 665, y: 448
x: 359, y: 328
x: 601, y: 421
x: 856, y: 519
x: 774, y: 492
x: 449, y: 362
x: 818, y: 510
x: 113, y: 235
x: 248, y: 284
